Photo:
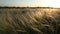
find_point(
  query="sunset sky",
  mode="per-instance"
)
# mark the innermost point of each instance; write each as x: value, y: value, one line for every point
x: 30, y: 3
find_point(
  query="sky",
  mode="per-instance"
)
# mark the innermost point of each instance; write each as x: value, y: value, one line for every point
x: 30, y: 3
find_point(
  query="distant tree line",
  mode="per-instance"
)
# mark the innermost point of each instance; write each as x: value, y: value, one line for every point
x: 23, y: 7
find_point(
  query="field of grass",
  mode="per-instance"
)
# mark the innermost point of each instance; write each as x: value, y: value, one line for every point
x: 29, y: 21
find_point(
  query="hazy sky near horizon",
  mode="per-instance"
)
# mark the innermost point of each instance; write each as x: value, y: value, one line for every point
x: 30, y: 3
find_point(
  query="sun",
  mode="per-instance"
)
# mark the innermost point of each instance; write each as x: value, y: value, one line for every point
x: 52, y: 3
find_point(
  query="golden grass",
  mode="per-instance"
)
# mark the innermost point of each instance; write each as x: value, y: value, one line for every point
x: 29, y: 21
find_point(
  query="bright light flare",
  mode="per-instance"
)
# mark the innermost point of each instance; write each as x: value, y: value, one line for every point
x: 52, y: 3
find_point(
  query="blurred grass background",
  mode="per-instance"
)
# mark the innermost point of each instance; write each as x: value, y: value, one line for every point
x: 30, y: 21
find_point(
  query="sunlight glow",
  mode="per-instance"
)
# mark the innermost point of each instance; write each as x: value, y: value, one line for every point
x: 31, y: 3
x: 52, y: 3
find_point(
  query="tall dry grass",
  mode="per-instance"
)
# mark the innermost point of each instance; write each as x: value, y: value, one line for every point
x: 29, y: 21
